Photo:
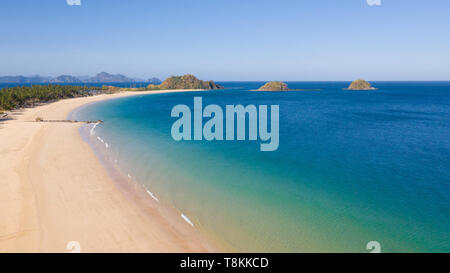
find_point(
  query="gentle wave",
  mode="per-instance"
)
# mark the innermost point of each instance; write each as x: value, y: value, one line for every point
x: 103, y: 141
x: 185, y: 218
x: 100, y: 139
x: 152, y: 195
x: 92, y: 131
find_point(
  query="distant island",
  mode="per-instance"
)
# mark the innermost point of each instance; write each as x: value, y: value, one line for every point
x: 184, y: 82
x: 99, y: 78
x: 106, y: 77
x: 274, y: 86
x: 23, y: 79
x: 360, y: 85
x: 65, y: 79
x: 280, y: 86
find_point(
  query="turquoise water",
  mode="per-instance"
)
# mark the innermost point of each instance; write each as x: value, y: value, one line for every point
x: 352, y: 166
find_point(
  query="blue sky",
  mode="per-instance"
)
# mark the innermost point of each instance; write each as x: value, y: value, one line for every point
x: 228, y: 39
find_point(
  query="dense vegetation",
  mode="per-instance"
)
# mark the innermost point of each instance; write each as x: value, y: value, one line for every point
x: 360, y: 85
x: 184, y: 82
x: 25, y: 96
x: 274, y: 86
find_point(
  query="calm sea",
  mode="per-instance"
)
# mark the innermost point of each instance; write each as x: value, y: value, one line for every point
x: 352, y: 166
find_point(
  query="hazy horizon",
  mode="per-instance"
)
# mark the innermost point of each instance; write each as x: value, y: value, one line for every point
x: 229, y: 80
x: 81, y: 77
x: 402, y: 40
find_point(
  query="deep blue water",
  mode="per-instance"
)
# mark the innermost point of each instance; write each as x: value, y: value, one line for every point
x: 352, y: 166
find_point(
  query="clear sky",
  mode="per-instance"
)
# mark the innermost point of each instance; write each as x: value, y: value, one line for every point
x: 228, y: 39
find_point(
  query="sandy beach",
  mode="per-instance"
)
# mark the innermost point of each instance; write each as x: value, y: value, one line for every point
x: 53, y: 190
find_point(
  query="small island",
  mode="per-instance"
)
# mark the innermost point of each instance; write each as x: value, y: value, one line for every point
x: 360, y: 85
x: 274, y: 86
x: 184, y: 82
x: 279, y: 86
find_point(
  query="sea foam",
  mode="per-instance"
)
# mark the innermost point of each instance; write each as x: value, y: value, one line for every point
x: 152, y: 195
x: 92, y: 131
x: 185, y: 218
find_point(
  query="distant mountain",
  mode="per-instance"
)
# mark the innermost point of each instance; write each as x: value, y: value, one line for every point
x: 106, y: 77
x: 83, y: 77
x: 138, y: 80
x: 12, y: 79
x: 274, y: 86
x: 102, y: 77
x: 65, y: 79
x: 154, y: 81
x: 23, y: 79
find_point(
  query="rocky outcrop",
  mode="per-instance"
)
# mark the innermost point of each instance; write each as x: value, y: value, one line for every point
x: 274, y: 86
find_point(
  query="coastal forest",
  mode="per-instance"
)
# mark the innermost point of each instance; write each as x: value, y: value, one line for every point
x: 27, y: 96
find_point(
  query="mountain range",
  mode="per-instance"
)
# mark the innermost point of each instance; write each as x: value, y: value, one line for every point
x: 99, y: 78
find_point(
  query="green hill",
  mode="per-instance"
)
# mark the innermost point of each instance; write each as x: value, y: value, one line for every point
x: 184, y: 82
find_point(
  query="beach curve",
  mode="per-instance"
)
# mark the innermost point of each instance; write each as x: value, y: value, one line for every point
x: 54, y: 191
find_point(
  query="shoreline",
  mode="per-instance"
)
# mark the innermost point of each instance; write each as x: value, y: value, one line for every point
x: 55, y: 191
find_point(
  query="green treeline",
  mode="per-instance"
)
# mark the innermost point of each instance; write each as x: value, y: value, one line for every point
x: 25, y: 96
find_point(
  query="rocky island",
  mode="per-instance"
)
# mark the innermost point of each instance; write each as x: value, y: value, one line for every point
x: 184, y: 82
x: 360, y: 85
x: 274, y: 86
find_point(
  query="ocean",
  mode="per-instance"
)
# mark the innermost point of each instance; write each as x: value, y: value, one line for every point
x: 352, y: 166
